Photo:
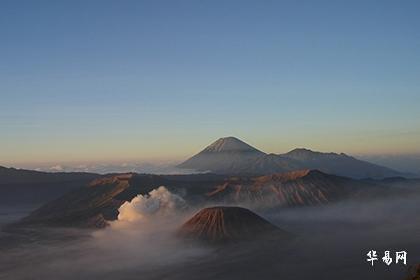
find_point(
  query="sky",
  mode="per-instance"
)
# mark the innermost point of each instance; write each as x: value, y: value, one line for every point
x: 101, y: 81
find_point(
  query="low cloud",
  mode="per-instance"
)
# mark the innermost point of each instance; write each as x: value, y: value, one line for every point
x: 105, y: 168
x: 56, y: 168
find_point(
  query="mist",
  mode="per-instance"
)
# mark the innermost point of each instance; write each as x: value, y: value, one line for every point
x: 331, y: 242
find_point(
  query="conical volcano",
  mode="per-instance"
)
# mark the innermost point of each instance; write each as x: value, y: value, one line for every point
x: 229, y: 145
x: 223, y: 224
x: 224, y: 156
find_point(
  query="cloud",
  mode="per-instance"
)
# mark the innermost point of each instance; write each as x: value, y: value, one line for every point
x: 56, y: 168
x: 105, y: 168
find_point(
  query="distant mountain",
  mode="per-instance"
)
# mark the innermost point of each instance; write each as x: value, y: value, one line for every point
x: 98, y: 202
x: 28, y: 186
x: 226, y: 155
x: 227, y: 224
x: 339, y: 164
x: 232, y: 156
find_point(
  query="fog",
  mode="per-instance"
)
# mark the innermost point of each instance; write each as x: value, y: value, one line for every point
x: 331, y: 242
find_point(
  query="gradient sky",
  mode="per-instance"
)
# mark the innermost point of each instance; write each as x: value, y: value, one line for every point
x: 142, y: 80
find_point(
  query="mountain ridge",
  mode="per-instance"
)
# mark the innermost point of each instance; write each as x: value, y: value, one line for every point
x: 229, y: 155
x: 33, y: 187
x: 96, y: 203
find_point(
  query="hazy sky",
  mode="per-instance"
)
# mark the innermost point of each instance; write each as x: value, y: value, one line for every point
x: 121, y: 80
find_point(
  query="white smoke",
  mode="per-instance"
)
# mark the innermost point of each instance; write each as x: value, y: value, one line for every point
x: 144, y: 233
x: 139, y: 244
x: 159, y: 202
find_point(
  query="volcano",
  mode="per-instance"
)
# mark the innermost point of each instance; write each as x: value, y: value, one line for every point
x: 231, y: 156
x: 224, y: 156
x: 225, y: 224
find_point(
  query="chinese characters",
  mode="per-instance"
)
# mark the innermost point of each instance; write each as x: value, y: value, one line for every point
x: 400, y: 257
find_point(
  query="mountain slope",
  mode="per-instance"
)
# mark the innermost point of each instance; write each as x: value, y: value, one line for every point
x: 87, y: 206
